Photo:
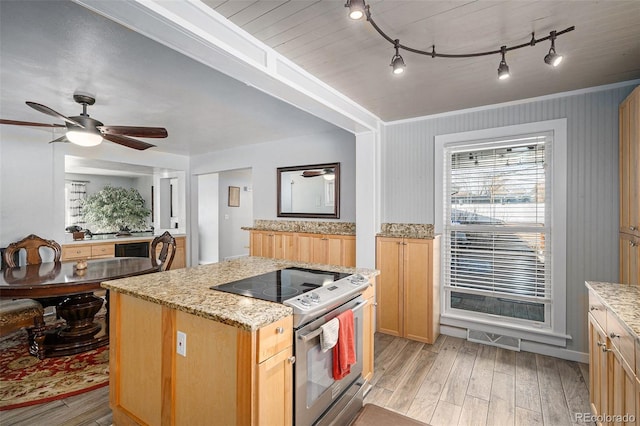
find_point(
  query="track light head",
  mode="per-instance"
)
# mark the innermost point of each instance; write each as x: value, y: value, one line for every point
x: 552, y: 58
x: 396, y: 61
x: 503, y: 68
x: 356, y: 9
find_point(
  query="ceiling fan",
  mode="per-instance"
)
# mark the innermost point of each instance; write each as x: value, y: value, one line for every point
x: 86, y: 131
x: 328, y: 173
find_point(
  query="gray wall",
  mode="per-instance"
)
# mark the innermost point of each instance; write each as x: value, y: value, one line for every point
x: 263, y: 159
x: 233, y: 241
x: 592, y: 179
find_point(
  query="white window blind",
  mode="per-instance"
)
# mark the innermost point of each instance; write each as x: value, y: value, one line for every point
x: 497, y: 218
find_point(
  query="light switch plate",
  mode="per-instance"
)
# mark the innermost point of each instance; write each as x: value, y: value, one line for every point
x: 181, y: 344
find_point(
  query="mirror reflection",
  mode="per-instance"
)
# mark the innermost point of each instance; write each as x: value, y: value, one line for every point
x: 309, y: 191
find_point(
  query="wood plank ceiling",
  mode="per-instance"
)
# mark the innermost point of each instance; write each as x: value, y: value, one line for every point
x: 354, y: 59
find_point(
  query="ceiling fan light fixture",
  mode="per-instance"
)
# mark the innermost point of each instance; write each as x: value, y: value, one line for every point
x: 356, y: 9
x: 329, y: 176
x: 84, y: 138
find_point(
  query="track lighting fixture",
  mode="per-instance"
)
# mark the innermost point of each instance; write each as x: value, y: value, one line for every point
x: 503, y: 68
x: 358, y: 9
x: 552, y: 58
x: 396, y: 61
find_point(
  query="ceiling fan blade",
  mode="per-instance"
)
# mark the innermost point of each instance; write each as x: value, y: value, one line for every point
x: 139, y: 132
x: 29, y: 123
x: 49, y: 111
x: 128, y: 142
x: 61, y: 139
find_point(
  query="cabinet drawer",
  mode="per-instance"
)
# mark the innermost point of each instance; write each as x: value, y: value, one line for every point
x: 76, y: 252
x: 103, y: 250
x: 275, y: 337
x: 597, y: 309
x: 621, y: 338
x: 369, y: 292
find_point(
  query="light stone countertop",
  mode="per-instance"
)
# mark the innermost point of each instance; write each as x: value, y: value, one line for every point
x: 407, y: 230
x: 621, y: 299
x: 113, y: 239
x: 188, y: 290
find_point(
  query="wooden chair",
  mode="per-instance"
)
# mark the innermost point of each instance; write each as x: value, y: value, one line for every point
x: 31, y: 244
x: 164, y: 258
x: 29, y: 313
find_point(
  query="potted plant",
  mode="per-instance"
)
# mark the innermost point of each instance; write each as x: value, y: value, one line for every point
x: 116, y: 209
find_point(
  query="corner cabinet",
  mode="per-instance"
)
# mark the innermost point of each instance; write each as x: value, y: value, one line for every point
x: 227, y: 376
x: 328, y: 249
x: 629, y: 169
x: 408, y: 287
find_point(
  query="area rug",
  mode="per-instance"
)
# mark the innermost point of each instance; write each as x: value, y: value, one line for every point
x: 373, y: 415
x: 26, y: 380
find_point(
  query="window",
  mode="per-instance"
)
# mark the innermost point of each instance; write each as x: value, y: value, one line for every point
x: 75, y: 193
x: 498, y: 201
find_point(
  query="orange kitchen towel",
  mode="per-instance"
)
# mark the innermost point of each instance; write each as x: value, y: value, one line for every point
x: 344, y: 352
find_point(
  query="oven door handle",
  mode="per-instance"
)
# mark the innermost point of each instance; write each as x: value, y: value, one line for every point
x: 316, y: 332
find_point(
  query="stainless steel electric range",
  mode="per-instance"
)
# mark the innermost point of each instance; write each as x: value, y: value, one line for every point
x: 316, y: 297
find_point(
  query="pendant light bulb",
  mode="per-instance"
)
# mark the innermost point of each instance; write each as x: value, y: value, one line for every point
x: 356, y: 9
x: 397, y: 63
x: 552, y: 58
x: 84, y: 138
x: 503, y: 68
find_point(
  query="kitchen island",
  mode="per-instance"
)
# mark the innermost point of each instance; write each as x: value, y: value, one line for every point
x: 238, y: 358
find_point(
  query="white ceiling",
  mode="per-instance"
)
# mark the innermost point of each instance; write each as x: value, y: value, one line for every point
x: 50, y: 49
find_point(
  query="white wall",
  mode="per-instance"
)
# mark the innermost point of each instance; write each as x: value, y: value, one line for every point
x: 208, y: 218
x: 263, y: 159
x: 233, y: 241
x: 32, y: 179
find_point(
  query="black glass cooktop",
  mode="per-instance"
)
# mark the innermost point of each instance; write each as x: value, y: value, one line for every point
x: 278, y: 286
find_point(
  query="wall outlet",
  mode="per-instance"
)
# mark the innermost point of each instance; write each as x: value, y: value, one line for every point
x: 181, y: 344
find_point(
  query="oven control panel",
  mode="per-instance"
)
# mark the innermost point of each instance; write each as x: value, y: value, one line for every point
x: 328, y: 295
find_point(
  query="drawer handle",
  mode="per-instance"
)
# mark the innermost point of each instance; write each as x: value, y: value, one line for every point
x: 604, y: 349
x: 633, y: 243
x: 593, y: 308
x: 291, y: 359
x: 600, y: 344
x: 78, y: 251
x: 632, y: 228
x: 614, y: 335
x: 280, y: 330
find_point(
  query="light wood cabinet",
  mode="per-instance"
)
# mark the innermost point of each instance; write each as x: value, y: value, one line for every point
x: 629, y: 169
x: 104, y: 249
x: 228, y: 376
x: 368, y: 330
x: 278, y: 245
x: 613, y: 381
x: 304, y: 247
x: 408, y: 287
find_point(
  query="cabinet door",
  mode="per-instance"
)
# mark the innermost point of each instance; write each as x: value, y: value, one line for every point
x: 629, y: 259
x: 306, y: 247
x: 348, y: 251
x: 598, y: 384
x: 418, y: 283
x: 255, y: 244
x: 629, y: 164
x: 283, y: 247
x: 368, y: 328
x: 622, y: 389
x: 389, y: 289
x: 334, y: 250
x: 275, y: 389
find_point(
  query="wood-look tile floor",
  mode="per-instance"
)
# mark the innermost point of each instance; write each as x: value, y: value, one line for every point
x: 453, y: 382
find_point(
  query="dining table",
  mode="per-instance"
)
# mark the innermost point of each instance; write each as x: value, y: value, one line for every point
x: 70, y: 287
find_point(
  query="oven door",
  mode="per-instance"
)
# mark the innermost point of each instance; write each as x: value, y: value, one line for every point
x: 315, y: 389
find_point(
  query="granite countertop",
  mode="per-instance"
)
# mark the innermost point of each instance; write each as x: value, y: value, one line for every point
x: 303, y: 226
x: 407, y: 230
x: 188, y: 290
x: 622, y: 300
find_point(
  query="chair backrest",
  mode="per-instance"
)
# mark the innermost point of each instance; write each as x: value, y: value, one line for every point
x: 167, y: 250
x: 31, y: 244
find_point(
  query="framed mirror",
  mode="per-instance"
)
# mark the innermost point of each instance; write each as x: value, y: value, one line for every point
x: 309, y: 191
